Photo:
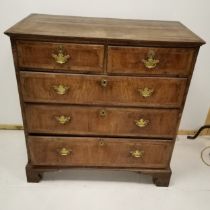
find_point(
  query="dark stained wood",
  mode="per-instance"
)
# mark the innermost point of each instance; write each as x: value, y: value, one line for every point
x: 39, y: 55
x: 90, y: 152
x: 105, y: 28
x: 128, y: 60
x: 88, y: 121
x: 162, y: 174
x: 176, y: 48
x: 38, y: 87
x: 32, y: 175
x: 162, y: 179
x: 17, y: 74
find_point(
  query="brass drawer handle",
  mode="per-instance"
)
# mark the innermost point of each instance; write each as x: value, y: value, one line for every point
x: 61, y: 89
x: 137, y: 153
x: 103, y: 113
x: 63, y: 119
x: 61, y: 57
x: 104, y: 82
x: 150, y: 62
x: 142, y: 123
x: 146, y: 92
x: 65, y: 152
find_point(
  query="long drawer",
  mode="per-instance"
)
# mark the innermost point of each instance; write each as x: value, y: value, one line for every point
x: 106, y: 152
x: 144, y: 60
x: 84, y: 120
x: 102, y: 90
x: 60, y: 56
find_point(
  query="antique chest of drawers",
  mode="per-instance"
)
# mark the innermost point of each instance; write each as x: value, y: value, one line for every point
x: 102, y: 93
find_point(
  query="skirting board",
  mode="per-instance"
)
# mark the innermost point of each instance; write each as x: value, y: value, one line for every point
x: 11, y: 127
x: 20, y: 127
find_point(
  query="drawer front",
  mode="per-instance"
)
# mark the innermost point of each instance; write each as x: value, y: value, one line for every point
x: 143, y: 60
x: 61, y: 56
x: 78, y: 151
x: 83, y: 120
x: 102, y: 90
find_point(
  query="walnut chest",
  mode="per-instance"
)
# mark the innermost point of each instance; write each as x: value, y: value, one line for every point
x: 102, y: 93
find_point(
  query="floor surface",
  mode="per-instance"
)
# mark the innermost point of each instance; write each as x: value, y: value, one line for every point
x: 102, y: 189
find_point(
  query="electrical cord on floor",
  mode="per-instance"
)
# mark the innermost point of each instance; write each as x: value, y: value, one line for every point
x: 202, y: 155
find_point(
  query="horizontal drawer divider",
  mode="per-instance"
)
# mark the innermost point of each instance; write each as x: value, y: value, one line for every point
x: 105, y: 42
x: 134, y: 169
x: 72, y: 72
x: 51, y: 71
x: 101, y: 136
x: 67, y: 40
x: 148, y: 75
x: 101, y: 106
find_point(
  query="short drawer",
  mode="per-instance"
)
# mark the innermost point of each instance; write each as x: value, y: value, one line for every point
x: 82, y: 120
x: 60, y: 56
x: 102, y: 152
x: 102, y: 90
x: 144, y: 60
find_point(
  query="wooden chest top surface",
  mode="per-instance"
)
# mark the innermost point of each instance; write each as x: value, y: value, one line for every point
x: 105, y: 28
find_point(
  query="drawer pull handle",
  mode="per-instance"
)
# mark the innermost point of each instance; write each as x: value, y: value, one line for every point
x: 137, y: 153
x: 142, y: 123
x: 63, y: 119
x: 65, y: 152
x: 61, y: 57
x: 103, y: 113
x: 104, y: 82
x: 150, y: 62
x: 146, y: 92
x: 60, y: 89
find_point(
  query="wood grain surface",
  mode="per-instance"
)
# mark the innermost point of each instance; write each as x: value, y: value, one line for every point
x: 86, y: 89
x: 88, y: 121
x: 81, y: 56
x: 172, y: 61
x: 104, y: 28
x: 91, y: 152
